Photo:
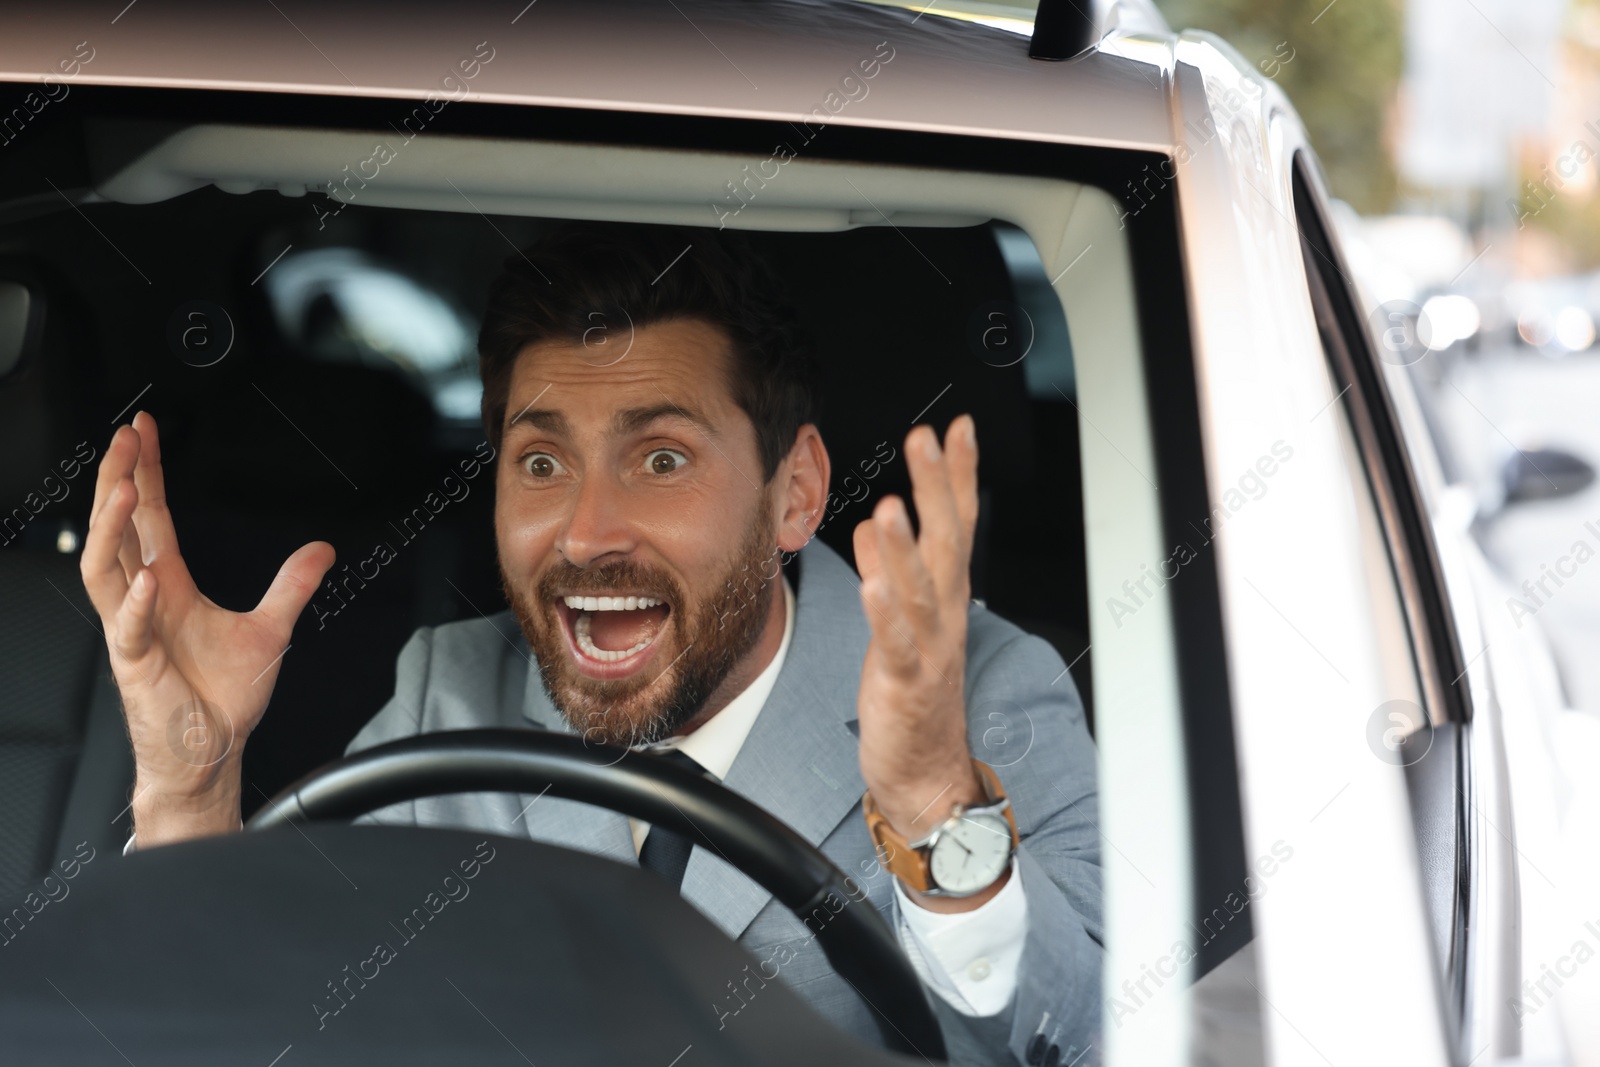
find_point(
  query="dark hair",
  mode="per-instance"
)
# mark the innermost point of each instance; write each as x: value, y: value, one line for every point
x: 643, y: 275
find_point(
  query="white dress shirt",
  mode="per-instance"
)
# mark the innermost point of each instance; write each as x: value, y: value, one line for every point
x: 971, y: 958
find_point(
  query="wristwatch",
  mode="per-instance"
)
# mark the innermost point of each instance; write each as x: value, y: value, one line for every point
x: 965, y: 854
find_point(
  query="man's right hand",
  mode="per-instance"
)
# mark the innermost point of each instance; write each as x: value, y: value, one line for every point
x: 194, y: 677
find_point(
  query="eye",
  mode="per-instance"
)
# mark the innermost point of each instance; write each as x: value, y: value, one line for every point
x: 664, y: 461
x: 542, y: 465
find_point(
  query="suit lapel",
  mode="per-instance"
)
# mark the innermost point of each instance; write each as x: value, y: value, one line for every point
x: 570, y: 824
x: 801, y: 760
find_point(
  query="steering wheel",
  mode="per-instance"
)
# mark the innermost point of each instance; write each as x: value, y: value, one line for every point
x: 856, y: 940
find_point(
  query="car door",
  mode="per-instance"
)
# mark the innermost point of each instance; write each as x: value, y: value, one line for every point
x: 1328, y: 633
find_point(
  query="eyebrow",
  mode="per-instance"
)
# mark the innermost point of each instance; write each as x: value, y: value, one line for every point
x: 540, y: 419
x: 632, y: 420
x: 629, y: 420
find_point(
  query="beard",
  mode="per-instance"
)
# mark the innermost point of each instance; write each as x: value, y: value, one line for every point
x: 705, y: 639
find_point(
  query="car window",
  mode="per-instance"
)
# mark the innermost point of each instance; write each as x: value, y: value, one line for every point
x: 314, y: 380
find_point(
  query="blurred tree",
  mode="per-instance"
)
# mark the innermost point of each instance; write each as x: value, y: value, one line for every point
x: 1339, y: 63
x: 1556, y: 205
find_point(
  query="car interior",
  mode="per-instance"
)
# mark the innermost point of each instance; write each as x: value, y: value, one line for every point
x: 313, y: 374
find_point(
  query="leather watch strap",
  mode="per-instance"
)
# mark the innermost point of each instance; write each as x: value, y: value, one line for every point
x: 910, y: 862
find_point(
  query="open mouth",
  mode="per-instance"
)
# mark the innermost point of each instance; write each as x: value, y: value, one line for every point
x: 612, y: 636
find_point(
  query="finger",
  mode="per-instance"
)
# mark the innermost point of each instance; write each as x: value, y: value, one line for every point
x: 888, y: 605
x: 294, y: 586
x: 877, y: 595
x: 135, y: 619
x: 961, y: 460
x: 865, y: 539
x: 889, y: 640
x: 914, y: 595
x: 942, y: 540
x: 103, y: 576
x: 115, y: 465
x: 157, y: 536
x: 130, y: 555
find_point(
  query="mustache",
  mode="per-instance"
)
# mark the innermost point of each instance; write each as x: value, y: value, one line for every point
x: 567, y: 579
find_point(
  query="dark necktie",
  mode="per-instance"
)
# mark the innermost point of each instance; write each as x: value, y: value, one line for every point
x: 665, y: 852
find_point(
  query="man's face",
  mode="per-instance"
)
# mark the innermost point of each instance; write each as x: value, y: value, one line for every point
x: 630, y: 513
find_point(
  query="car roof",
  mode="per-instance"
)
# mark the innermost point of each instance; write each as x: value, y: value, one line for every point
x: 773, y: 59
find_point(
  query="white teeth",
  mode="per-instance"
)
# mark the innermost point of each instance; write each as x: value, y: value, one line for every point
x: 586, y: 645
x: 609, y: 603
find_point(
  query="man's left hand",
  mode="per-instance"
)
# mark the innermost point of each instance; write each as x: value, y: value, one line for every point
x: 916, y: 590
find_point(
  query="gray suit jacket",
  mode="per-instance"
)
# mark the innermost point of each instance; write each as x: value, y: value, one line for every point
x: 801, y: 763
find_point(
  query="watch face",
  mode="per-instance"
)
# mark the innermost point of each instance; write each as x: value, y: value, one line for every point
x: 970, y: 855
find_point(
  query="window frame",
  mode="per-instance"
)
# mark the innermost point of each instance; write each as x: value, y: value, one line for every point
x: 1440, y: 790
x: 1365, y: 396
x: 1166, y: 342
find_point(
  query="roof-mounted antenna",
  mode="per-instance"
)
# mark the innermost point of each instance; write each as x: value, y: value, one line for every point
x: 1062, y: 29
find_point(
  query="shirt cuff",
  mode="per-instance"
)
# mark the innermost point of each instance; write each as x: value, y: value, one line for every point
x: 129, y: 848
x: 969, y: 958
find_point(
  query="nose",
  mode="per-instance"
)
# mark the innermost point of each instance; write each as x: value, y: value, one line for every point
x: 599, y: 525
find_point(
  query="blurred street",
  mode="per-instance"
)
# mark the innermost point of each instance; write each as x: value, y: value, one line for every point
x: 1536, y: 401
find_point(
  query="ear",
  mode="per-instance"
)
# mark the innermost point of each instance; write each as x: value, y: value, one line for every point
x: 802, y: 489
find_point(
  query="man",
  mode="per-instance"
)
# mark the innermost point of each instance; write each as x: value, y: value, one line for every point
x: 651, y: 481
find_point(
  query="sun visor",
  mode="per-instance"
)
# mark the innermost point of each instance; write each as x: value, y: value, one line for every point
x: 541, y: 179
